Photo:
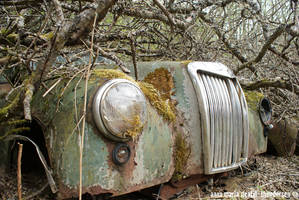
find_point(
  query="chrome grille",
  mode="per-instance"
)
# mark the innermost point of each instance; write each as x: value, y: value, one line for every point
x: 224, y: 117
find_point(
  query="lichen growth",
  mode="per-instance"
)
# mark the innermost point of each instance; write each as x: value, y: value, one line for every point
x: 14, y: 122
x: 3, y: 31
x: 111, y: 73
x: 186, y: 62
x: 182, y: 153
x: 12, y: 37
x: 15, y: 131
x: 136, y: 129
x: 47, y: 36
x: 162, y: 81
x: 163, y: 106
x: 5, y: 110
x: 253, y: 98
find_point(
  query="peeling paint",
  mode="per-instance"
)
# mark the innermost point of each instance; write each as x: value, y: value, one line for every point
x: 152, y: 153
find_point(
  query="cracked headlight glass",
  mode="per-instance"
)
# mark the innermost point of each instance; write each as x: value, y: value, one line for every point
x: 119, y: 109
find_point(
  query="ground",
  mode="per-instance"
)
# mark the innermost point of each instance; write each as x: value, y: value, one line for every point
x: 263, y: 176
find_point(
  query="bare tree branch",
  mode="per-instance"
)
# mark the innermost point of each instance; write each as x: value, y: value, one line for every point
x: 263, y: 50
x: 222, y: 37
x: 59, y: 12
x: 111, y: 57
x: 168, y: 15
x: 144, y: 14
x: 277, y: 83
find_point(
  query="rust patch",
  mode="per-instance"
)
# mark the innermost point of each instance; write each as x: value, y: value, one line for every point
x: 66, y: 192
x: 162, y: 80
x: 283, y: 138
x: 171, y: 189
x: 126, y: 170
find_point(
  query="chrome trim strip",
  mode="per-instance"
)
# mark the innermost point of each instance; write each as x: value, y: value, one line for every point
x: 212, y: 68
x: 203, y: 107
x: 245, y: 119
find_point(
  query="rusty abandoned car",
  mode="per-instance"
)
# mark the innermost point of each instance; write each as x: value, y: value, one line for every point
x: 180, y: 123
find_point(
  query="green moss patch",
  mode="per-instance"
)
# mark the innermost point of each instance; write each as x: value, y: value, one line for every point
x: 111, y: 74
x: 182, y: 153
x: 253, y: 98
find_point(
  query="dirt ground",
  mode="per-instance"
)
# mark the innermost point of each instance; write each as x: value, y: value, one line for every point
x: 264, y: 176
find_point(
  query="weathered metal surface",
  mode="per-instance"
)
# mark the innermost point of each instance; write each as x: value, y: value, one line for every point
x: 151, y: 159
x: 257, y: 140
x: 224, y: 118
x: 188, y: 115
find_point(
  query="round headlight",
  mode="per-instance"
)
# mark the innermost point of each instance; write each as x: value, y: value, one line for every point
x: 119, y: 109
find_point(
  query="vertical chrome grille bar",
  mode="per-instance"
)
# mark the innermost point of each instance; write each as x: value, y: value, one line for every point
x: 234, y: 116
x: 240, y: 124
x: 220, y: 121
x: 218, y: 144
x: 213, y: 110
x: 203, y: 100
x: 226, y: 122
x: 238, y: 127
x: 229, y: 124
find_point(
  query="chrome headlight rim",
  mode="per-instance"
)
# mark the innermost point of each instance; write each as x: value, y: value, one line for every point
x: 97, y: 108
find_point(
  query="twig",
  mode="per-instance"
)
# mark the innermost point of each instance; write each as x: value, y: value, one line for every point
x: 277, y: 83
x: 160, y: 188
x: 112, y: 57
x: 66, y: 86
x: 19, y: 175
x: 164, y: 10
x: 49, y: 90
x: 84, y: 108
x: 133, y: 49
x: 59, y: 12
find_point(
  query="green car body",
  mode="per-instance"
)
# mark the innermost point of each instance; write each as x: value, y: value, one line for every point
x: 172, y: 143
